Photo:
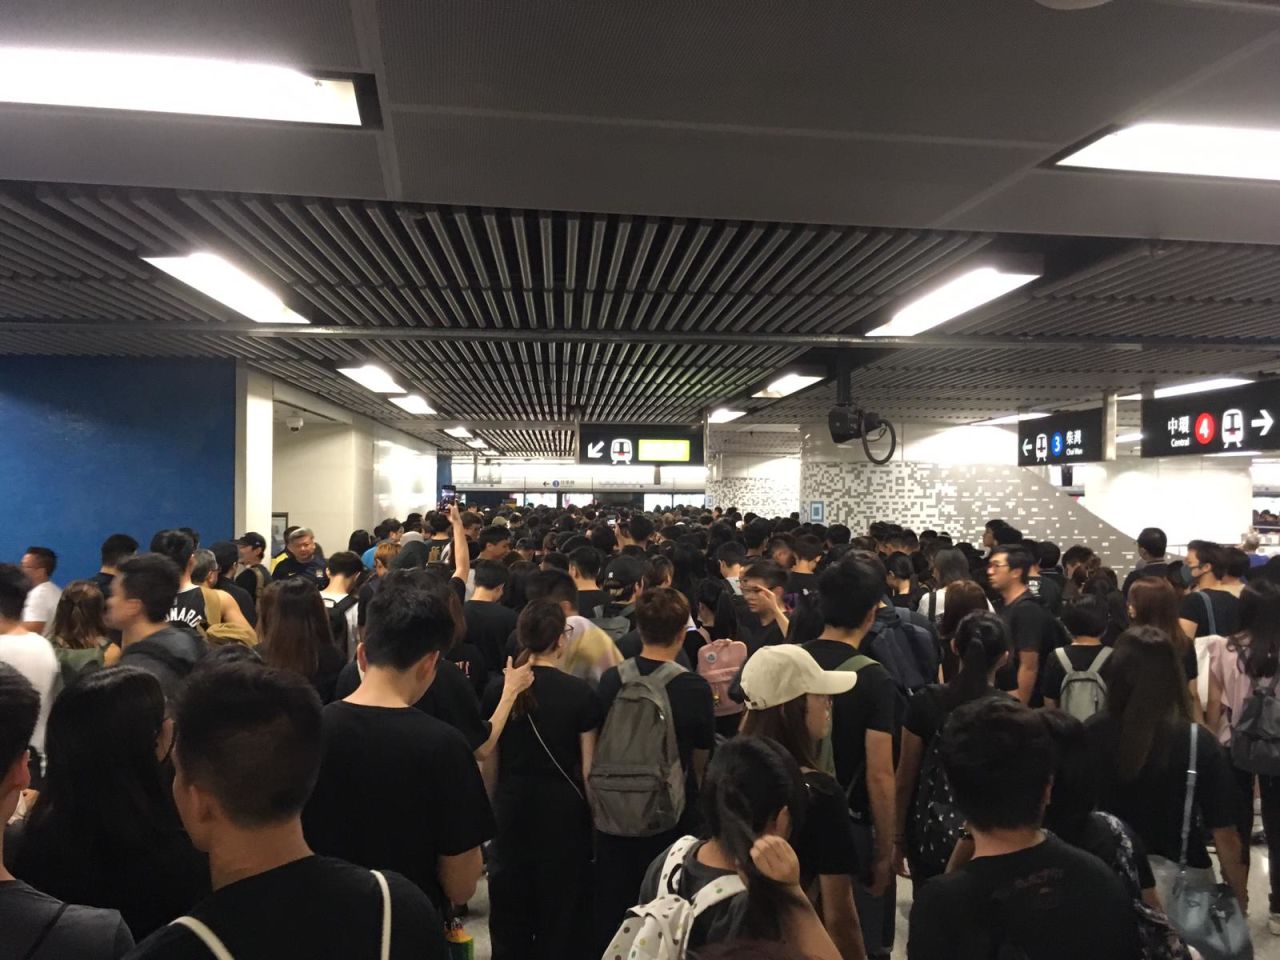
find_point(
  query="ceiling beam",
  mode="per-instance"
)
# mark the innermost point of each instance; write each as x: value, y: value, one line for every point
x: 470, y: 334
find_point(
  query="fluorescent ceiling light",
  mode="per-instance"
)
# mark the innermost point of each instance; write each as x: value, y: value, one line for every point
x: 961, y: 295
x: 490, y: 453
x: 372, y: 377
x: 1129, y: 438
x: 785, y: 386
x: 1200, y: 386
x: 1186, y: 149
x: 1236, y: 453
x: 725, y: 415
x: 165, y: 84
x: 459, y: 433
x: 413, y: 403
x: 1012, y: 418
x: 477, y: 444
x: 229, y: 285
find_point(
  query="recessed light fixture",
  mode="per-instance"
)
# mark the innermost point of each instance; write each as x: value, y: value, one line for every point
x: 1200, y: 386
x: 964, y: 293
x: 225, y: 282
x: 1236, y: 453
x: 787, y: 385
x: 1012, y: 418
x: 166, y: 84
x: 725, y: 415
x: 1129, y: 438
x: 413, y: 403
x: 477, y: 444
x: 490, y: 453
x: 1184, y: 149
x: 372, y: 377
x: 459, y: 433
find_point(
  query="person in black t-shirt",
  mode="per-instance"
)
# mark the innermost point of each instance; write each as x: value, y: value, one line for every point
x: 489, y: 622
x: 540, y: 860
x: 584, y: 567
x: 116, y: 549
x: 1024, y: 893
x: 1033, y: 632
x: 662, y: 616
x: 301, y: 559
x: 763, y: 586
x: 1209, y: 609
x: 864, y: 727
x: 399, y: 789
x: 1086, y: 621
x: 1152, y: 544
x: 248, y: 755
x: 803, y: 579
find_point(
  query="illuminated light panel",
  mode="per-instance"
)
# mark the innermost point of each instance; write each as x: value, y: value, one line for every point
x: 949, y: 301
x: 166, y: 84
x: 663, y: 450
x: 725, y: 415
x: 225, y: 282
x: 459, y: 433
x: 1129, y: 438
x: 1012, y: 418
x: 785, y: 386
x: 1200, y: 386
x: 413, y: 403
x: 372, y: 377
x: 477, y: 444
x: 1184, y: 149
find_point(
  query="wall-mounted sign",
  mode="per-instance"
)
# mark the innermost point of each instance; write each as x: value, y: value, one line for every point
x: 633, y: 445
x: 1241, y: 418
x: 1073, y: 437
x: 817, y: 511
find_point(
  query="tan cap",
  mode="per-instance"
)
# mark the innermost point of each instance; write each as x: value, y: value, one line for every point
x: 779, y: 674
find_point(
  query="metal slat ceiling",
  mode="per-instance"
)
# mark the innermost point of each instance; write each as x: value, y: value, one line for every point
x: 654, y: 293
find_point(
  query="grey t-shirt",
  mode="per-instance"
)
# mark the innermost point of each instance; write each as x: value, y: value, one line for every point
x: 720, y: 922
x: 80, y: 933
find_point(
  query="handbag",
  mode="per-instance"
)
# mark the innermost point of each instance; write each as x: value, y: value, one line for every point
x: 1204, y: 912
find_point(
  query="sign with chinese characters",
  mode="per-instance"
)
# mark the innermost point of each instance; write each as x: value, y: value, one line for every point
x: 1221, y: 421
x: 634, y: 445
x: 1072, y: 437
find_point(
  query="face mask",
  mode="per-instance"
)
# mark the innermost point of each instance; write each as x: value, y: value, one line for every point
x: 1184, y: 574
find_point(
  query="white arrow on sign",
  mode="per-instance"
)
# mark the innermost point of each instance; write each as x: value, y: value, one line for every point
x: 1026, y: 448
x: 1265, y: 422
x: 595, y: 450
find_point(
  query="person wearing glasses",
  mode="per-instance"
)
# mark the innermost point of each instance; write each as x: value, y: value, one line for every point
x: 1033, y: 632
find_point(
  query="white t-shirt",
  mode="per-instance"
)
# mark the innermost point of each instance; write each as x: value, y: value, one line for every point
x: 33, y: 657
x: 42, y: 603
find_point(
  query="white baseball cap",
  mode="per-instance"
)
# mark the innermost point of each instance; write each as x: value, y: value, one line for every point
x: 779, y: 674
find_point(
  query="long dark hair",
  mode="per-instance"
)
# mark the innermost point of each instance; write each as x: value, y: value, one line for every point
x: 1075, y: 776
x: 539, y: 628
x: 962, y: 598
x: 981, y: 640
x: 1147, y: 695
x: 1155, y: 604
x: 104, y: 789
x: 80, y: 623
x: 749, y: 781
x: 787, y: 725
x: 1258, y: 642
x: 292, y: 626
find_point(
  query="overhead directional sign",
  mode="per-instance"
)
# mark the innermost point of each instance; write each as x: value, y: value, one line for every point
x: 629, y: 444
x: 1073, y: 437
x: 1221, y: 421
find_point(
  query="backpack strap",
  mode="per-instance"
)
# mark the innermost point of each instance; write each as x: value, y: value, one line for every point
x: 384, y: 949
x: 1064, y: 661
x: 44, y: 934
x: 205, y: 936
x: 673, y: 863
x: 856, y: 663
x: 717, y: 891
x: 1208, y: 606
x: 628, y: 672
x: 1189, y: 801
x: 212, y: 606
x: 933, y: 606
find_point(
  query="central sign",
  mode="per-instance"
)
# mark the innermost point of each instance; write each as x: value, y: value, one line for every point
x: 1222, y: 421
x: 1072, y: 437
x: 629, y: 444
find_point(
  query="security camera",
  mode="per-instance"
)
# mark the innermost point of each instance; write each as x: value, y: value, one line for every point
x: 294, y: 424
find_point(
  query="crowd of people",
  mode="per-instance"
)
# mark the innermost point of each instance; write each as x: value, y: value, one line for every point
x: 699, y: 734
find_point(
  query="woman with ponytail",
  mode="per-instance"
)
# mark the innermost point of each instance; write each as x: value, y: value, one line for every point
x: 981, y: 644
x: 753, y: 800
x: 540, y: 860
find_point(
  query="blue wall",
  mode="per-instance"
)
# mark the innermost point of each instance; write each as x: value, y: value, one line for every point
x: 95, y: 446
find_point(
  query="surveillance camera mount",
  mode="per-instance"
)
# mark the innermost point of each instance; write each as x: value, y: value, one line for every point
x: 848, y: 421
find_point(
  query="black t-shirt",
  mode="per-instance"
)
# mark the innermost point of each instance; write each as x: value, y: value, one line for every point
x: 588, y: 600
x: 104, y: 581
x: 1226, y: 612
x: 247, y: 579
x: 1152, y: 802
x: 451, y: 698
x: 316, y: 907
x: 801, y: 584
x: 82, y: 933
x: 244, y: 600
x: 871, y: 705
x: 291, y: 567
x: 1050, y: 901
x: 540, y: 815
x: 693, y: 711
x: 1032, y: 629
x: 1156, y: 570
x: 928, y: 710
x: 366, y: 594
x: 397, y: 789
x: 1107, y: 837
x: 468, y: 659
x: 1049, y: 591
x: 488, y: 627
x: 716, y: 924
x: 824, y: 844
x: 630, y: 646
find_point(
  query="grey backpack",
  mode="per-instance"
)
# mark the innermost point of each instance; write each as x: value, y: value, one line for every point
x: 614, y: 620
x: 1255, y: 737
x: 637, y: 782
x: 1084, y: 692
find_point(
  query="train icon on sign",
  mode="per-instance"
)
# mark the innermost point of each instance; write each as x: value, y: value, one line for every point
x: 1233, y: 429
x: 1042, y: 446
x: 621, y: 451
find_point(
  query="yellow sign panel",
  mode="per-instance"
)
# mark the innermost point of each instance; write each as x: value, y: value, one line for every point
x: 664, y: 451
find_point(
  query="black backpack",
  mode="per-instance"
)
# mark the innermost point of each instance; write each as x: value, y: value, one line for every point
x: 338, y: 623
x: 906, y: 649
x: 936, y: 824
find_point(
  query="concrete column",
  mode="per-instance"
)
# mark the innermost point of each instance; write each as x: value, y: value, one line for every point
x: 255, y: 451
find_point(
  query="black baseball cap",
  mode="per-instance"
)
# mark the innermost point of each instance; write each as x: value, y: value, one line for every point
x: 253, y: 540
x: 624, y: 571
